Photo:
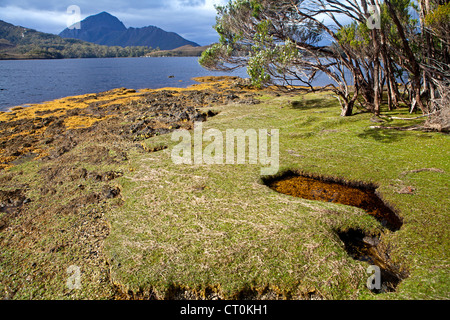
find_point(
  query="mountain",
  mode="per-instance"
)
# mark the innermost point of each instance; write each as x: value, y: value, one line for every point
x: 105, y: 29
x: 184, y: 51
x: 17, y: 42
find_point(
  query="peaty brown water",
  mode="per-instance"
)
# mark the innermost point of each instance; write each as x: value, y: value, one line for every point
x: 361, y: 196
x: 357, y: 244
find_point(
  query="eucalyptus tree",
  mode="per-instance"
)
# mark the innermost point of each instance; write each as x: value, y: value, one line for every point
x: 436, y: 63
x: 435, y: 16
x: 283, y: 42
x: 370, y: 45
x: 418, y: 42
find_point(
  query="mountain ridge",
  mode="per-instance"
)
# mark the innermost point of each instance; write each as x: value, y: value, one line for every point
x: 17, y: 42
x: 106, y: 29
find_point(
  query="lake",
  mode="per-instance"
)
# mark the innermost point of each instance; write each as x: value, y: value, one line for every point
x: 34, y: 81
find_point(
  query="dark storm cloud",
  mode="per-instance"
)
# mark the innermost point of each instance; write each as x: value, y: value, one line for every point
x: 192, y: 19
x: 61, y: 5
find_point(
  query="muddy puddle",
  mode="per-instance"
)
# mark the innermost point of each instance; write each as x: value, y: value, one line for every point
x: 357, y: 244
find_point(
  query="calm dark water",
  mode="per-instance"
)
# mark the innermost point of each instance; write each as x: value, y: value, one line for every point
x: 35, y: 81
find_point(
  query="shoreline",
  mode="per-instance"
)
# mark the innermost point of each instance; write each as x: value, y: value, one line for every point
x: 199, y: 80
x: 83, y: 111
x: 32, y: 59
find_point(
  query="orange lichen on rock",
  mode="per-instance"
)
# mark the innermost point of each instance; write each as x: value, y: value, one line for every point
x: 59, y: 107
x: 77, y: 122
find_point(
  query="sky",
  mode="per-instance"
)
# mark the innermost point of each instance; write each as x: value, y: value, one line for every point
x: 192, y: 19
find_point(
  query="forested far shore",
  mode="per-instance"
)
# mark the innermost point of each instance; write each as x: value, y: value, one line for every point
x: 23, y: 43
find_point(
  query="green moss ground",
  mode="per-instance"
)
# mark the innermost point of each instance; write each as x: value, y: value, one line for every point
x: 218, y: 226
x: 217, y: 230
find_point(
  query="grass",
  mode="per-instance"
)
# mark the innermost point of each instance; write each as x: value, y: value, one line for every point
x: 199, y: 227
x: 206, y: 231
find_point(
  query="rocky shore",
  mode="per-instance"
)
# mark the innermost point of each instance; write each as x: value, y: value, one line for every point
x: 50, y: 129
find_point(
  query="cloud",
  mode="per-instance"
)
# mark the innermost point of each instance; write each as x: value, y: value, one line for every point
x: 192, y: 3
x: 41, y: 20
x: 192, y: 19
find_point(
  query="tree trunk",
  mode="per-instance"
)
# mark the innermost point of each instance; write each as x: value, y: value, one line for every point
x: 391, y: 82
x: 414, y: 66
x: 377, y: 90
x: 348, y: 104
x: 347, y: 108
x: 389, y: 95
x: 393, y: 86
x: 417, y: 86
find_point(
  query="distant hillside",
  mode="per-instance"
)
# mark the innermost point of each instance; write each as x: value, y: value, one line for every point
x: 22, y: 43
x: 5, y: 44
x: 184, y: 51
x: 105, y: 29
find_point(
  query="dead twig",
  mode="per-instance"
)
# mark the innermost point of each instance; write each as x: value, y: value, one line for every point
x: 410, y: 128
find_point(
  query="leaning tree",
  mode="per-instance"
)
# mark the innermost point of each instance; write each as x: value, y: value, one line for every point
x: 282, y: 42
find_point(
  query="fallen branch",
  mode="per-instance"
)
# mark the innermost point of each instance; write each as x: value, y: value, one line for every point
x: 422, y: 116
x: 387, y: 118
x: 412, y: 128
